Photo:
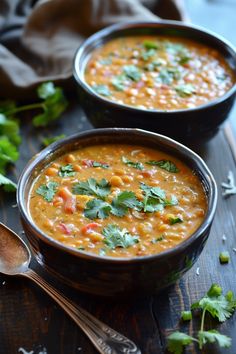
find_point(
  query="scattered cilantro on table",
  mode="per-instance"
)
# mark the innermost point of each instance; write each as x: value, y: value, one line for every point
x: 215, y: 304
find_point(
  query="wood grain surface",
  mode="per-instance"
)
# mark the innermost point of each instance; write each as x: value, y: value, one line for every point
x: 30, y: 320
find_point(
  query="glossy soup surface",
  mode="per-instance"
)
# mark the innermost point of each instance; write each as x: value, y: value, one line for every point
x: 118, y: 200
x: 158, y: 73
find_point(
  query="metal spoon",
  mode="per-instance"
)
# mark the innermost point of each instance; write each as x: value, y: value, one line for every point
x: 15, y: 258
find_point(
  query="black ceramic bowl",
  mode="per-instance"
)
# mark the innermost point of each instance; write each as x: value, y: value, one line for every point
x: 106, y: 275
x: 186, y: 125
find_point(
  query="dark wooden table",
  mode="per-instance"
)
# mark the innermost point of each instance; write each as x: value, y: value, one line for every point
x: 30, y: 320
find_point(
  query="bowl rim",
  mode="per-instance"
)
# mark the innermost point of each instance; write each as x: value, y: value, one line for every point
x: 109, y: 30
x: 95, y: 133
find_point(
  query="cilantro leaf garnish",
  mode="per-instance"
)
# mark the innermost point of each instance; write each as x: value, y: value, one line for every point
x: 117, y: 237
x: 119, y: 82
x: 7, y: 184
x: 184, y: 59
x: 122, y: 202
x: 106, y: 61
x: 158, y: 239
x: 151, y: 45
x: 102, y: 90
x: 155, y: 199
x: 153, y: 65
x: 66, y: 171
x: 146, y: 55
x: 213, y: 336
x: 97, y: 209
x: 167, y: 75
x: 132, y: 72
x: 137, y: 165
x: 177, y: 341
x: 49, y: 140
x: 165, y: 165
x: 175, y: 220
x: 100, y: 164
x: 174, y: 48
x: 47, y: 191
x: 185, y: 90
x: 92, y: 187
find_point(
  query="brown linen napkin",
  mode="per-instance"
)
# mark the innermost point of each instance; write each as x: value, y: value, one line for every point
x: 38, y: 39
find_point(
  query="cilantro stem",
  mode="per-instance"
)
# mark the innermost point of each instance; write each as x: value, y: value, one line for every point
x: 25, y: 108
x: 202, y: 326
x: 203, y: 319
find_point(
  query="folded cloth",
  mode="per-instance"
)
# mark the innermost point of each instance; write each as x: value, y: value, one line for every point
x: 38, y: 39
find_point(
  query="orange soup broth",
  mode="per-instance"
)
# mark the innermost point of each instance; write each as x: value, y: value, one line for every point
x: 158, y: 73
x: 63, y: 217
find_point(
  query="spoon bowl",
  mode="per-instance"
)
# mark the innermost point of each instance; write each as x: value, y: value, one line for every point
x: 15, y: 259
x: 15, y: 256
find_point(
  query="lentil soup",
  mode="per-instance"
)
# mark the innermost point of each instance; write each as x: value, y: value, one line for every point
x: 118, y: 200
x: 158, y: 73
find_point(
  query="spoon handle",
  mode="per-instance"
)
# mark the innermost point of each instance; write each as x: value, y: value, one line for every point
x: 105, y: 339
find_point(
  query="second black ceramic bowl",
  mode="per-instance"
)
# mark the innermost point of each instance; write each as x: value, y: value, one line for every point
x: 102, y: 275
x: 186, y: 125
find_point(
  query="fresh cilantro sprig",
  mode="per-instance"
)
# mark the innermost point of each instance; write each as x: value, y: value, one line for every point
x: 9, y: 138
x: 137, y: 165
x: 165, y: 165
x: 117, y: 237
x: 53, y: 103
x: 47, y: 191
x: 92, y: 187
x: 218, y: 306
x: 49, y: 140
x: 7, y: 184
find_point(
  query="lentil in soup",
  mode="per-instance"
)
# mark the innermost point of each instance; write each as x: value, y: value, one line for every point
x: 158, y: 73
x: 118, y: 200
